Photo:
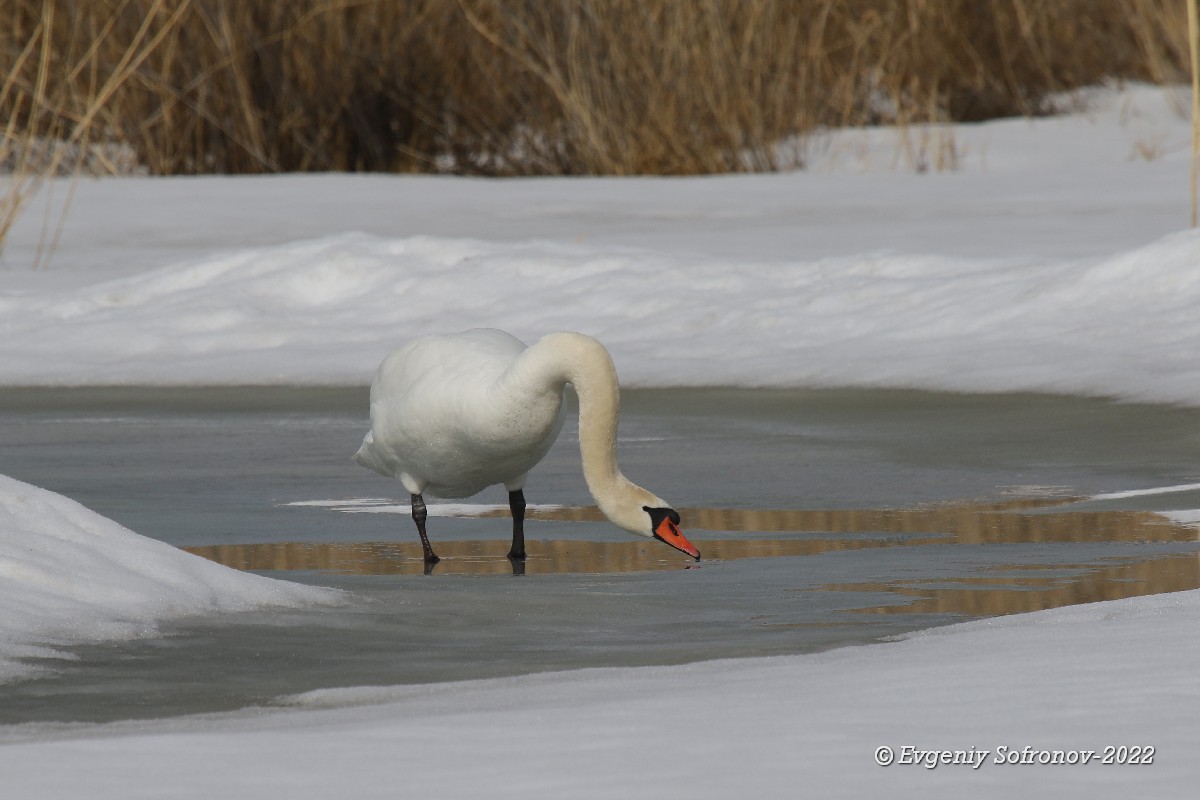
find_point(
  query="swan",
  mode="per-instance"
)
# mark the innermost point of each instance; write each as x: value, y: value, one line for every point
x: 453, y: 415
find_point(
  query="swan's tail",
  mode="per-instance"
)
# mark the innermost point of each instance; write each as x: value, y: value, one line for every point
x: 367, y: 457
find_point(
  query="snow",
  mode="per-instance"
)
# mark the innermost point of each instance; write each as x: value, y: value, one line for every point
x: 69, y: 576
x: 1071, y: 680
x: 1049, y: 262
x: 1053, y: 259
x: 328, y: 310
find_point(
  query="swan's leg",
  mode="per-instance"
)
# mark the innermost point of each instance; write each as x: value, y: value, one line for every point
x: 516, y: 503
x: 419, y: 513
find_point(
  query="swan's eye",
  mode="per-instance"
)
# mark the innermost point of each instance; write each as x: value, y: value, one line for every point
x: 660, y: 515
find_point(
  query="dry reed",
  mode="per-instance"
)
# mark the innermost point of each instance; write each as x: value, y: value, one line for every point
x: 57, y: 80
x: 508, y: 87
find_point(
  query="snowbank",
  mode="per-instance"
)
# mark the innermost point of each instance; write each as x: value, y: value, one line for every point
x: 70, y: 576
x: 1050, y: 260
x: 1069, y: 681
x: 327, y: 311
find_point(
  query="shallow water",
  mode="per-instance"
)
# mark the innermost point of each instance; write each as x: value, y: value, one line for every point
x: 825, y: 518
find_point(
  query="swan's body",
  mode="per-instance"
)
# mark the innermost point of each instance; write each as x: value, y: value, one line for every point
x: 452, y: 415
x: 445, y: 421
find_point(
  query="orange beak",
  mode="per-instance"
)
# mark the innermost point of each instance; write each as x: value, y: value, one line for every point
x: 668, y: 532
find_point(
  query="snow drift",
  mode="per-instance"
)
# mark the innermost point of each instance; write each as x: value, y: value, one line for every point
x: 327, y: 311
x: 69, y: 576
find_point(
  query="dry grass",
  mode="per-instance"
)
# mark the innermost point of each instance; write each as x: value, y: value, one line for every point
x: 507, y: 87
x: 57, y: 80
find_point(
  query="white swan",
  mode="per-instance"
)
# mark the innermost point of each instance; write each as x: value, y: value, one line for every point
x: 452, y: 415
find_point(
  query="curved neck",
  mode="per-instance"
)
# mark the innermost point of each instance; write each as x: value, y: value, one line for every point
x: 595, y: 380
x: 562, y: 358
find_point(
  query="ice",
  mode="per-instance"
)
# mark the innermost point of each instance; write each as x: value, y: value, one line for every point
x: 368, y: 505
x: 1187, y: 487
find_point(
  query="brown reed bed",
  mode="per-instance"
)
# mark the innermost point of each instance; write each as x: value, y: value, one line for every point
x: 545, y: 87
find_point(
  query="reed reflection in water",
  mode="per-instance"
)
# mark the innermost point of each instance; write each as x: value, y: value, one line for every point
x: 487, y: 557
x: 1005, y: 590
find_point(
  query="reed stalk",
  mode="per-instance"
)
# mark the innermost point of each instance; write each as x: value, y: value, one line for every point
x: 536, y: 87
x: 57, y: 84
x: 1194, y: 49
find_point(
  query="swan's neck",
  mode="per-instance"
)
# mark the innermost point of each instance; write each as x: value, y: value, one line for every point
x: 583, y: 362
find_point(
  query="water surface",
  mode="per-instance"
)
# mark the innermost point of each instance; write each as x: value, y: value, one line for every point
x: 825, y: 518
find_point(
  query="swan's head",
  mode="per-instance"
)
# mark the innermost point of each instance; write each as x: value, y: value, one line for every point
x: 664, y: 526
x: 638, y: 511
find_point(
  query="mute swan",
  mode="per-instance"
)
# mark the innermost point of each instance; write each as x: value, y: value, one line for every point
x: 455, y: 414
